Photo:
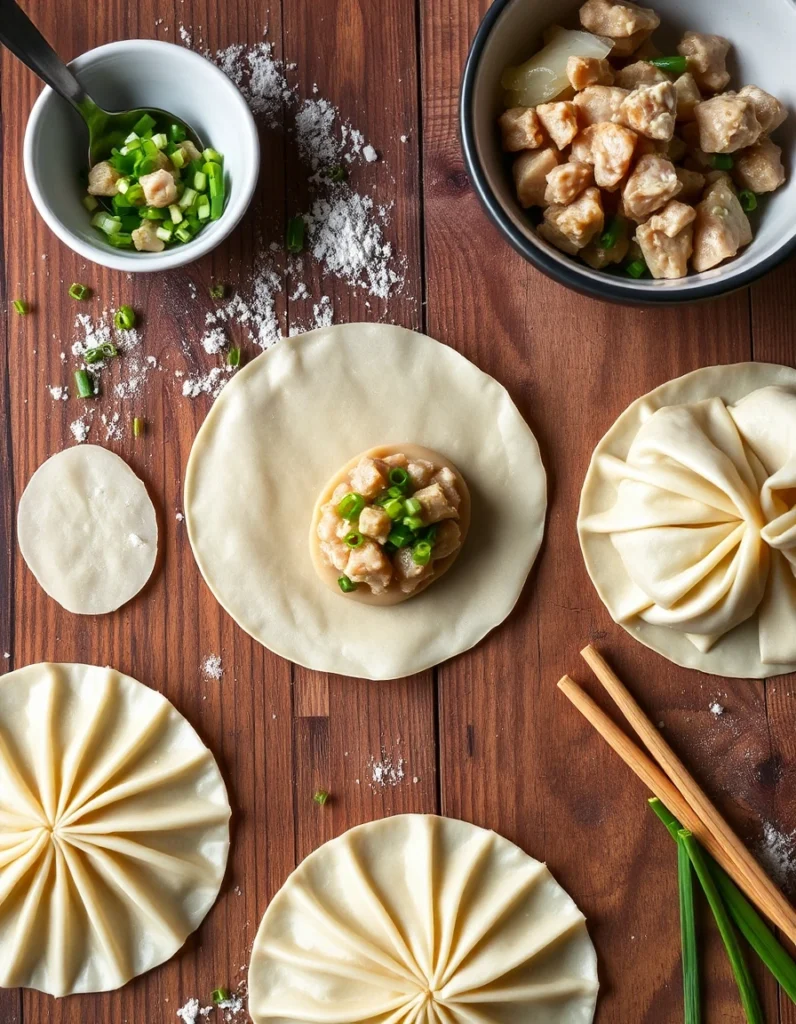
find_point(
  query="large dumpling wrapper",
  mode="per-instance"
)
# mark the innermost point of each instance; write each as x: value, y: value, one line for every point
x: 280, y: 429
x: 87, y: 529
x: 114, y: 829
x: 422, y: 920
x: 701, y: 512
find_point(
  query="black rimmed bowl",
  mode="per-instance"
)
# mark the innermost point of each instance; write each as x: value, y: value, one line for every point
x: 763, y: 35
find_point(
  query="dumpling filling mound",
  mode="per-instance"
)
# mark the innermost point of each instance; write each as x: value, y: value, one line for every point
x: 395, y: 520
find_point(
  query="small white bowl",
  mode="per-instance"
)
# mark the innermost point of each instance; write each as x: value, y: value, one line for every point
x: 763, y: 37
x: 139, y: 73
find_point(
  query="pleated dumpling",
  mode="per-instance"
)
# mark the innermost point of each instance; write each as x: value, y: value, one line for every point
x: 114, y: 829
x: 703, y: 518
x: 422, y: 919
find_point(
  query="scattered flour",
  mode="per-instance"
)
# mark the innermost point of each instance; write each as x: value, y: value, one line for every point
x: 185, y: 36
x: 211, y: 667
x: 80, y: 429
x: 58, y: 393
x: 716, y: 708
x: 192, y: 1011
x: 210, y: 383
x: 214, y: 340
x: 259, y: 76
x: 389, y: 771
x: 777, y: 852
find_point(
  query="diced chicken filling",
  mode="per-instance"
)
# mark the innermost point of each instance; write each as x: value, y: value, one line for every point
x: 707, y: 59
x: 599, y: 257
x: 572, y: 227
x: 612, y: 148
x: 382, y: 530
x: 530, y: 175
x: 520, y: 129
x: 666, y: 240
x: 560, y: 121
x: 159, y: 188
x: 375, y: 523
x: 650, y: 110
x: 721, y: 227
x: 616, y: 19
x: 768, y: 110
x: 566, y: 182
x: 367, y: 479
x: 630, y: 45
x: 103, y: 179
x: 585, y: 71
x: 693, y: 184
x: 650, y: 186
x: 599, y: 103
x: 759, y: 168
x: 145, y: 238
x: 688, y: 95
x: 639, y: 73
x: 726, y: 124
x: 189, y: 150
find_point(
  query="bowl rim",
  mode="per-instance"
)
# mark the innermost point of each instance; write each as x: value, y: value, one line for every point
x: 628, y: 293
x: 169, y: 258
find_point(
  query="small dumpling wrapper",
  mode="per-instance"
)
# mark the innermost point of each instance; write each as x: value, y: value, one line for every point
x: 687, y: 520
x: 279, y: 430
x: 88, y: 530
x: 422, y: 918
x: 114, y: 829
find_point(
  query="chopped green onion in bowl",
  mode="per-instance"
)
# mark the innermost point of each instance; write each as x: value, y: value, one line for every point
x: 157, y: 173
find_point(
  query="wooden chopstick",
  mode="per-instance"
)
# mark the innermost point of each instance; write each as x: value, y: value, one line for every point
x: 723, y: 844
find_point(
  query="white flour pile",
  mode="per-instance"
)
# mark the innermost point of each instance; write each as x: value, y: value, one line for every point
x: 212, y: 668
x: 389, y: 771
x: 192, y: 1012
x: 777, y: 852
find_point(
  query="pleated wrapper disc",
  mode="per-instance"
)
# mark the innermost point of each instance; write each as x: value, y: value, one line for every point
x: 421, y: 918
x: 114, y: 829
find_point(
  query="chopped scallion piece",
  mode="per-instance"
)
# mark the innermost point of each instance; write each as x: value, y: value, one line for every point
x: 216, y: 291
x: 636, y: 268
x: 160, y: 140
x: 748, y: 200
x: 96, y: 355
x: 176, y: 214
x: 213, y: 156
x: 353, y: 539
x: 346, y: 585
x: 413, y: 522
x: 395, y: 492
x: 412, y: 506
x: 350, y: 506
x: 106, y: 223
x: 187, y: 198
x: 138, y: 426
x: 613, y: 233
x: 399, y: 477
x: 165, y: 231
x: 400, y: 536
x: 178, y: 159
x: 677, y: 65
x: 200, y: 181
x: 144, y: 124
x: 20, y: 306
x: 124, y: 318
x: 337, y: 173
x: 394, y: 508
x: 421, y: 553
x: 321, y: 797
x: 123, y: 184
x: 722, y: 161
x: 295, y: 234
x: 151, y: 213
x: 121, y: 240
x: 203, y: 208
x: 79, y: 291
x: 184, y: 233
x: 91, y: 203
x: 233, y: 357
x: 220, y: 995
x: 132, y: 137
x: 177, y: 133
x: 83, y: 384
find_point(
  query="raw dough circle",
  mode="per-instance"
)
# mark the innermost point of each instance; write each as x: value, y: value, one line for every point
x: 114, y: 829
x: 417, y: 917
x: 363, y: 594
x: 737, y: 653
x: 88, y: 530
x: 290, y: 419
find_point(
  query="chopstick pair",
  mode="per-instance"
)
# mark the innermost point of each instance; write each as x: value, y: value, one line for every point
x: 676, y: 788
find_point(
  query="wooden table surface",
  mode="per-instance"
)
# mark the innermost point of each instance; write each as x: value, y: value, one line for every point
x: 486, y: 737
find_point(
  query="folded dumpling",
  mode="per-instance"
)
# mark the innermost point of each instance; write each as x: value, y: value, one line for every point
x: 701, y: 510
x: 114, y: 829
x: 421, y: 918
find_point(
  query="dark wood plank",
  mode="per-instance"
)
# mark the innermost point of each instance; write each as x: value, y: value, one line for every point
x: 514, y: 755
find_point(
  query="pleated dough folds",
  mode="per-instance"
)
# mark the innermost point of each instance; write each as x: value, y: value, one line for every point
x: 422, y: 919
x: 114, y: 829
x: 703, y: 519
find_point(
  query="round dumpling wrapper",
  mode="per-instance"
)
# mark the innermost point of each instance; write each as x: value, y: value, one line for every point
x: 288, y: 421
x: 698, y: 558
x: 87, y: 529
x: 114, y: 829
x: 418, y: 917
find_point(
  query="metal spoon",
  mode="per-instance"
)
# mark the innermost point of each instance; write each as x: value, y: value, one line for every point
x: 105, y: 128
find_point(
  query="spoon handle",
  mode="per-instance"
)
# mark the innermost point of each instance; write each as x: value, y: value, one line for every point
x: 21, y: 36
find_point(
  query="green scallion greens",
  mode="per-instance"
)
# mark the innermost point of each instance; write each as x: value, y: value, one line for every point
x: 83, y: 384
x: 295, y: 235
x: 676, y: 65
x: 321, y: 796
x: 124, y: 318
x: 20, y: 306
x: 79, y: 291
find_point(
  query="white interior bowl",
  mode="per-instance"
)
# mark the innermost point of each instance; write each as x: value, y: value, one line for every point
x: 120, y: 76
x: 763, y: 35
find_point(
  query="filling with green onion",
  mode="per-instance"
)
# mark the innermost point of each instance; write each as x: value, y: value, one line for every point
x: 156, y: 190
x: 391, y: 523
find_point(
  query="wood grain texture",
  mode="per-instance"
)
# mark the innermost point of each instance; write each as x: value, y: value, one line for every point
x: 486, y: 737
